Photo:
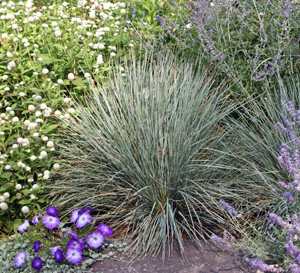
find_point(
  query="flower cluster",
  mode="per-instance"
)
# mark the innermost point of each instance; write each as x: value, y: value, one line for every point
x: 71, y: 245
x: 230, y: 209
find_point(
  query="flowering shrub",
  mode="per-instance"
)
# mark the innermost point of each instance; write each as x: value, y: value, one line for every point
x: 69, y: 246
x: 47, y: 55
x: 249, y: 40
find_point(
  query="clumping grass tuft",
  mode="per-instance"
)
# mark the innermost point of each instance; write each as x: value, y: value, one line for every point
x: 142, y: 150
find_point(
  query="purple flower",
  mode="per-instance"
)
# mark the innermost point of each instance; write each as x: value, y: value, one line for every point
x: 51, y: 222
x: 52, y: 211
x: 81, y: 211
x: 54, y: 249
x: 22, y: 228
x: 95, y: 239
x: 72, y: 235
x: 35, y: 220
x: 73, y: 244
x: 74, y: 215
x: 105, y: 230
x: 83, y: 219
x: 20, y: 259
x: 58, y: 256
x: 230, y: 209
x: 37, y: 263
x: 73, y: 256
x: 36, y: 246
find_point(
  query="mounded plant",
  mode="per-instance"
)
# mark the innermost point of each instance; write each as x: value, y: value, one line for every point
x: 142, y: 150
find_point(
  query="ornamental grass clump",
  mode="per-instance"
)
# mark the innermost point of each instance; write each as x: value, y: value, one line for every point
x: 142, y: 151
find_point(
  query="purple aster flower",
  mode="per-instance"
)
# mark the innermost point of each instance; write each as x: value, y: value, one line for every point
x: 52, y: 211
x: 37, y: 263
x: 73, y: 244
x: 105, y: 230
x: 58, y: 256
x: 22, y: 228
x: 95, y: 239
x: 81, y: 211
x: 83, y: 219
x: 73, y: 256
x: 54, y: 249
x: 82, y: 240
x: 35, y: 220
x: 72, y: 235
x: 36, y: 246
x: 20, y: 259
x: 74, y: 215
x: 51, y: 222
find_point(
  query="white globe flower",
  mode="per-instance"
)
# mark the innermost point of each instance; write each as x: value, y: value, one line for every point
x: 60, y: 81
x: 32, y: 196
x: 45, y: 71
x: 35, y: 134
x: 31, y: 108
x: 71, y: 110
x: 38, y: 113
x: 57, y: 33
x: 57, y: 113
x: 2, y: 198
x: 46, y: 176
x: 35, y: 186
x: 47, y: 172
x: 50, y: 144
x: 43, y: 106
x: 66, y: 100
x: 92, y: 14
x: 20, y: 140
x: 123, y: 11
x: 67, y: 116
x: 6, y: 195
x: 15, y: 119
x: 32, y: 125
x: 100, y: 60
x: 26, y: 123
x: 25, y: 209
x: 43, y: 154
x: 18, y: 187
x: 33, y: 157
x: 4, y: 77
x: 4, y: 35
x: 71, y: 76
x: 20, y: 164
x: 56, y: 167
x: 30, y: 180
x: 7, y: 167
x: 28, y: 169
x: 45, y: 138
x: 3, y: 206
x: 15, y: 146
x: 9, y: 54
x: 113, y: 54
x: 22, y: 94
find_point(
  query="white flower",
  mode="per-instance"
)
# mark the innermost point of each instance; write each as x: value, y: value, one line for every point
x: 3, y: 206
x: 4, y: 77
x: 28, y: 169
x: 11, y: 64
x: 15, y: 119
x: 7, y: 167
x: 25, y: 209
x: 47, y: 172
x: 56, y: 167
x: 50, y: 144
x: 31, y: 108
x: 32, y: 196
x: 71, y: 76
x: 38, y: 113
x: 32, y: 125
x: 30, y: 180
x: 45, y: 71
x: 19, y: 195
x: 45, y: 138
x: 46, y: 176
x: 2, y: 198
x: 22, y: 94
x: 43, y: 106
x: 35, y: 186
x: 18, y: 187
x: 71, y: 110
x: 6, y: 195
x: 33, y: 157
x: 20, y: 140
x: 66, y: 100
x: 21, y: 164
x: 123, y: 11
x: 57, y: 33
x: 26, y: 123
x: 43, y: 154
x: 15, y: 146
x: 54, y: 24
x: 67, y: 116
x: 57, y: 113
x: 9, y: 54
x: 35, y: 134
x: 113, y: 54
x: 4, y: 35
x: 100, y: 59
x: 60, y: 81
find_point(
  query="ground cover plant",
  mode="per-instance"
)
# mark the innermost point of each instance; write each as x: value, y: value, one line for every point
x: 140, y: 150
x: 250, y: 41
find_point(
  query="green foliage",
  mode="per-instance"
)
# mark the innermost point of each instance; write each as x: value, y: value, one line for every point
x: 140, y: 150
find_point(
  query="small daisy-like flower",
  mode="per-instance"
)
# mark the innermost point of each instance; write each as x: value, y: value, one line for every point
x: 73, y: 244
x: 58, y: 256
x: 20, y: 259
x: 83, y: 219
x: 105, y: 230
x: 54, y: 249
x: 52, y: 211
x: 73, y: 256
x: 36, y: 246
x: 51, y: 222
x: 22, y: 228
x: 37, y: 263
x: 95, y: 239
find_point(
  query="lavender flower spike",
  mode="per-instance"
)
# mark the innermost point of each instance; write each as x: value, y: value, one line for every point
x: 230, y: 209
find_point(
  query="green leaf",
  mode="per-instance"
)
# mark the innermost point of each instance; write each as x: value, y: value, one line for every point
x: 50, y: 128
x: 5, y: 175
x: 78, y: 81
x: 58, y: 46
x: 25, y: 202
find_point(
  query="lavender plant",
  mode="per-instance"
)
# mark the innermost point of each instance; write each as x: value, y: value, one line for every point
x: 250, y: 41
